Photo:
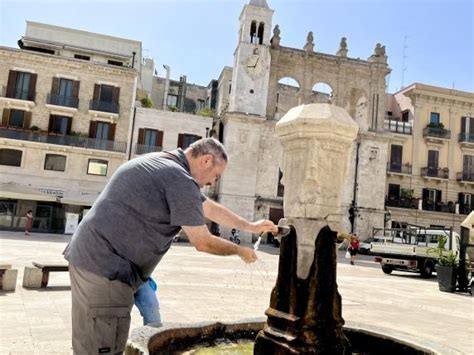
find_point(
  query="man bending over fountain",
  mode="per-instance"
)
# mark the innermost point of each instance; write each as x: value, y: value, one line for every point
x: 129, y: 229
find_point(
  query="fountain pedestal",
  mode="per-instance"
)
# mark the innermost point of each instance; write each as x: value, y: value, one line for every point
x: 305, y: 306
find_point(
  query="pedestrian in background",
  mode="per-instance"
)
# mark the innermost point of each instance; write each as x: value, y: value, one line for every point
x: 354, y: 248
x: 29, y: 222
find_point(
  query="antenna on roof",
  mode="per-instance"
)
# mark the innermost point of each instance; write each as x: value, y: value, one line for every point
x: 403, y: 60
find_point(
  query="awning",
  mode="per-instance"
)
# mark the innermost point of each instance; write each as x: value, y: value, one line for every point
x: 21, y: 192
x: 78, y: 201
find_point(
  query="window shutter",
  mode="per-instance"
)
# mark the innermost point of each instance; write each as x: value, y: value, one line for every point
x: 463, y: 125
x: 92, y: 125
x: 75, y: 88
x: 5, y: 117
x: 95, y: 97
x: 55, y: 86
x: 11, y: 83
x: 27, y: 120
x: 426, y: 194
x: 438, y: 195
x: 112, y: 131
x: 51, y: 122
x: 32, y: 88
x: 141, y: 136
x: 115, y: 95
x: 159, y: 139
x: 69, y: 124
x: 180, y: 140
x: 461, y: 201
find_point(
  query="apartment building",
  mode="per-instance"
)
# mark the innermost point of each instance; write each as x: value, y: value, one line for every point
x: 430, y: 170
x: 66, y: 103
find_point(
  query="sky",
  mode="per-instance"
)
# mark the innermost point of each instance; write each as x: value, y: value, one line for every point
x: 427, y: 41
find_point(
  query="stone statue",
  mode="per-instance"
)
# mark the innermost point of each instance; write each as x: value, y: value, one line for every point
x: 379, y: 54
x: 275, y: 41
x: 342, y: 52
x: 309, y: 46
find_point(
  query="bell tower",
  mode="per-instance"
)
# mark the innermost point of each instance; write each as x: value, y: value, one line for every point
x: 251, y: 71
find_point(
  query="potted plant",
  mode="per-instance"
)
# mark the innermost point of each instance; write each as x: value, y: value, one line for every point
x: 446, y: 268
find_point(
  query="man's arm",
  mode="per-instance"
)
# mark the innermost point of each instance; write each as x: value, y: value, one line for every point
x: 204, y: 241
x: 222, y: 215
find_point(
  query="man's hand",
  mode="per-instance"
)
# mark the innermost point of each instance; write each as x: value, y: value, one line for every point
x: 264, y: 225
x: 247, y: 255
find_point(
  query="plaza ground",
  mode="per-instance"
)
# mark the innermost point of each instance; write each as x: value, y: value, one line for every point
x: 195, y: 287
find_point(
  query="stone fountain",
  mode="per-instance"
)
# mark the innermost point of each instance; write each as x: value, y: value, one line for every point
x: 305, y: 314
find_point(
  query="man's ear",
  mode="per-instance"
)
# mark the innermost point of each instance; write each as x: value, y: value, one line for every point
x: 207, y: 160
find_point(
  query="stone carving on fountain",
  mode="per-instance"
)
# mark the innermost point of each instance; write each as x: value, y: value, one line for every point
x: 305, y: 313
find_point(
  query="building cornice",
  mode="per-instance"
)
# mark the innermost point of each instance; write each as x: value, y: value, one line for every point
x: 39, y: 59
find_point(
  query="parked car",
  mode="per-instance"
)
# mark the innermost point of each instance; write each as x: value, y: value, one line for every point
x: 364, y: 247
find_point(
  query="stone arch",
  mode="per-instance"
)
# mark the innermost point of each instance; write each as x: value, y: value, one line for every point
x: 321, y: 92
x: 287, y: 95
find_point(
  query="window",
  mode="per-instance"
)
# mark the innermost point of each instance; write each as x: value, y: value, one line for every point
x: 396, y: 153
x: 106, y: 93
x: 115, y: 62
x: 60, y: 124
x: 55, y: 162
x: 65, y: 88
x: 468, y: 167
x: 405, y: 116
x: 97, y: 167
x: 390, y: 114
x: 230, y: 87
x: 185, y: 140
x: 22, y: 85
x: 150, y: 137
x: 172, y: 100
x: 200, y: 105
x: 11, y: 157
x: 434, y: 118
x: 102, y: 130
x: 82, y: 57
x: 17, y: 118
x: 433, y: 158
x: 393, y: 191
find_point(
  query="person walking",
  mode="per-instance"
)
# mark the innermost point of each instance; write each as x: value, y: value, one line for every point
x: 29, y: 222
x: 354, y: 248
x: 130, y: 228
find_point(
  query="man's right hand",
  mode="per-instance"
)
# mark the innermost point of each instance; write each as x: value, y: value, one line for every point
x: 248, y: 255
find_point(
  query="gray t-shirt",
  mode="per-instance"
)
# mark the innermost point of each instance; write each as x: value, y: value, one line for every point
x: 131, y: 225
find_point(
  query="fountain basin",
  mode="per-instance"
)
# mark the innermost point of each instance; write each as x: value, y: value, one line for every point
x: 176, y: 338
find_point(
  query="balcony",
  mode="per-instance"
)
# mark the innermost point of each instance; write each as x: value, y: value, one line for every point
x: 465, y: 176
x: 427, y: 205
x: 19, y: 99
x: 66, y: 140
x: 437, y: 173
x: 398, y: 168
x: 397, y: 126
x: 466, y: 139
x: 145, y: 149
x: 437, y: 132
x: 104, y: 106
x: 65, y: 101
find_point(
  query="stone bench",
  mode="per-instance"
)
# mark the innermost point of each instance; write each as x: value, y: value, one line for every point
x: 38, y: 275
x: 7, y: 277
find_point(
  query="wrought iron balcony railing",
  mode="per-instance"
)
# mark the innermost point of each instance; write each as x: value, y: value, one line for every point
x: 104, y: 106
x: 440, y: 173
x: 60, y: 100
x: 465, y: 176
x: 67, y: 140
x: 437, y: 132
x: 399, y: 168
x: 144, y: 149
x: 466, y: 137
x: 397, y: 126
x: 19, y: 94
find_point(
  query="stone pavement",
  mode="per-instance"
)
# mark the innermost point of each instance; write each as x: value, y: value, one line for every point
x: 195, y: 287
